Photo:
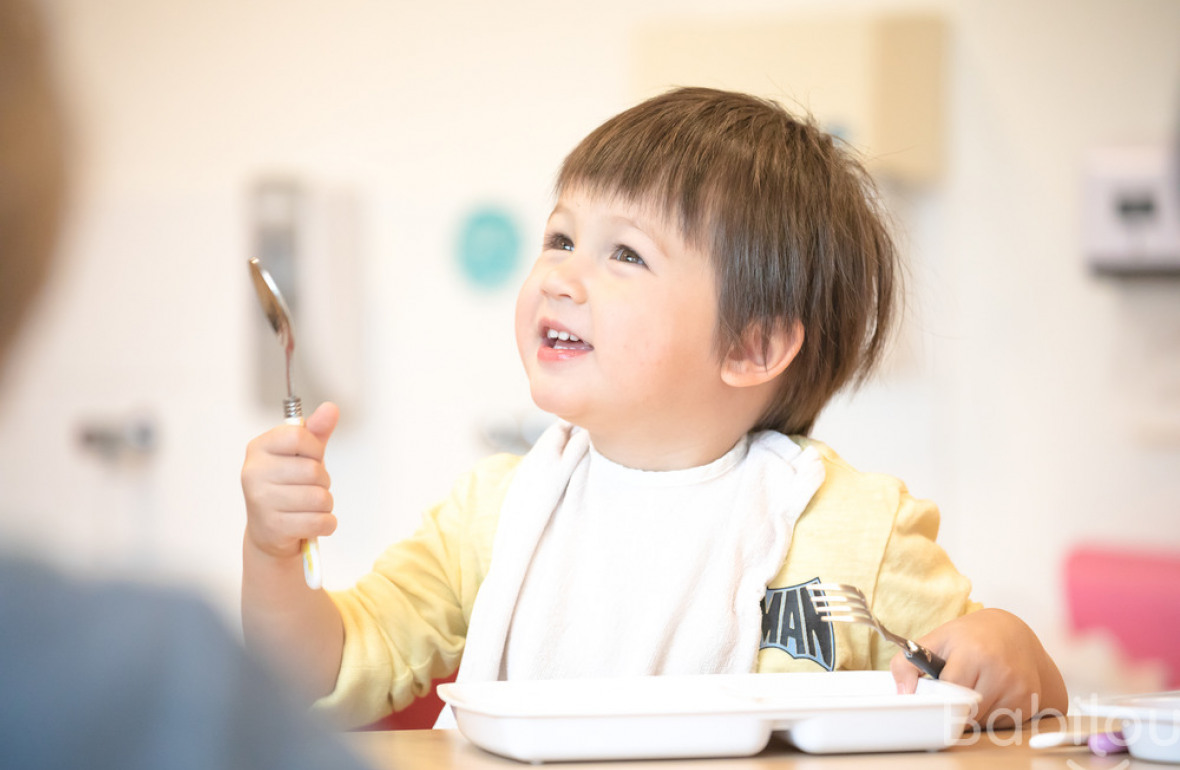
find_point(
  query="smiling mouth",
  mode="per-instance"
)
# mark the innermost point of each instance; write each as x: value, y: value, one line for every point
x: 563, y: 340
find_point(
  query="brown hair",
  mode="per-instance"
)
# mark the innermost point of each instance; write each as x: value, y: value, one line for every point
x: 31, y: 164
x: 789, y: 218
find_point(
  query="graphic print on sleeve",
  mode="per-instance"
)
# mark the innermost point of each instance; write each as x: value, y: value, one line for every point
x: 791, y: 624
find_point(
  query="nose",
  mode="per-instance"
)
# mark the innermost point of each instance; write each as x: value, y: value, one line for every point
x: 564, y: 278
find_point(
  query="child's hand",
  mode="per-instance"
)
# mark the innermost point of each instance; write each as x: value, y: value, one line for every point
x: 994, y: 653
x: 287, y: 486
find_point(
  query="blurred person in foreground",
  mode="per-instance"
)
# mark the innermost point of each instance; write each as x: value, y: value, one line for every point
x: 102, y: 675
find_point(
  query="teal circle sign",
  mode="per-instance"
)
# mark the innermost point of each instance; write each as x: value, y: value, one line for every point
x: 489, y: 247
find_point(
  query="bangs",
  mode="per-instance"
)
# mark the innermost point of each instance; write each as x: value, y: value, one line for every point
x: 657, y: 158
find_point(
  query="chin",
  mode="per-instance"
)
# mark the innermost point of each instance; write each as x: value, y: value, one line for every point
x: 553, y: 405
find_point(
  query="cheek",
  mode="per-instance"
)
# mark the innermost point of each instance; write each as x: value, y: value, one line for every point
x: 667, y: 347
x: 525, y: 315
x: 637, y: 351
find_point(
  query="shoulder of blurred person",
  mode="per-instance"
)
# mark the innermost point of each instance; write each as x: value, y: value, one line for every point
x: 117, y: 675
x: 94, y: 674
x: 33, y: 147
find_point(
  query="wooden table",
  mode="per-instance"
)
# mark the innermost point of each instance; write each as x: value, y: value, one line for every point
x: 445, y: 749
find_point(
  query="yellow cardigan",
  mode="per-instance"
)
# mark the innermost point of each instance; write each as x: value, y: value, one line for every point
x: 406, y: 621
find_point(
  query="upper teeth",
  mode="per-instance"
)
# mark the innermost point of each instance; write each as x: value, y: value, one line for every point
x: 563, y: 336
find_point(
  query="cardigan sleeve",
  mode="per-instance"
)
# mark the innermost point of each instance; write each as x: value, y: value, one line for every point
x: 405, y: 622
x: 918, y: 588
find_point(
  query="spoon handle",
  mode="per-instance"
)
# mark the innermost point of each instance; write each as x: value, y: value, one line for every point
x: 313, y: 571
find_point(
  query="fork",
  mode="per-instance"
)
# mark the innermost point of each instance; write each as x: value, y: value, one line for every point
x: 840, y: 603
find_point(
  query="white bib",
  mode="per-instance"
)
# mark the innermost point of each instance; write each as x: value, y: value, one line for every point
x: 602, y: 570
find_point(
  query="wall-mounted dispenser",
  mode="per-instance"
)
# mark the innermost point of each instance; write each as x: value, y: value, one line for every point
x: 307, y: 239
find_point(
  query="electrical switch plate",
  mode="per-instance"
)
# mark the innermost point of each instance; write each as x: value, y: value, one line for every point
x: 1131, y: 210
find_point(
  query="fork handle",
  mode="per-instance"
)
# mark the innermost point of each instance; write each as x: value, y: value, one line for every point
x: 924, y: 659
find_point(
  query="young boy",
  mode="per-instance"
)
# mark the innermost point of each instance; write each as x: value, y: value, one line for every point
x: 713, y: 272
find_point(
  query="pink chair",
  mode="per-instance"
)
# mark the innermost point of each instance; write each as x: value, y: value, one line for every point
x: 1134, y: 595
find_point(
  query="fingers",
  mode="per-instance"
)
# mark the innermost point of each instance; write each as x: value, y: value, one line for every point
x: 1009, y: 691
x: 280, y: 536
x: 279, y: 516
x: 288, y: 441
x: 298, y: 498
x: 293, y: 528
x: 905, y: 674
x: 993, y: 653
x: 323, y: 421
x: 286, y: 485
x: 307, y: 440
x: 268, y: 468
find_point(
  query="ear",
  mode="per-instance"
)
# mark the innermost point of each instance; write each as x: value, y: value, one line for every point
x: 761, y: 357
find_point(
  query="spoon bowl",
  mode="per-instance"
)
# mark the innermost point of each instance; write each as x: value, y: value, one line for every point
x: 279, y: 317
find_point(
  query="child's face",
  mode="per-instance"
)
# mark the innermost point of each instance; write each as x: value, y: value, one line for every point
x: 616, y: 323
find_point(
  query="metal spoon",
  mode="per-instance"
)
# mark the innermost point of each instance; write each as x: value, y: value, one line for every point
x: 276, y: 312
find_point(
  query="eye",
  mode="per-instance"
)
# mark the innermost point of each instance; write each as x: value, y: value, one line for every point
x: 559, y: 242
x: 627, y: 254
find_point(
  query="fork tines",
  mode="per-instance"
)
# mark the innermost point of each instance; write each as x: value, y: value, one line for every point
x: 837, y: 602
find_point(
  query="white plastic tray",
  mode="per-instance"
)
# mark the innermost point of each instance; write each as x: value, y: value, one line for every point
x: 706, y: 716
x: 1150, y: 723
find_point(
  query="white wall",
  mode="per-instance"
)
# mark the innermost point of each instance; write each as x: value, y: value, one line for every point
x: 1042, y: 398
x: 1022, y: 411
